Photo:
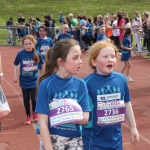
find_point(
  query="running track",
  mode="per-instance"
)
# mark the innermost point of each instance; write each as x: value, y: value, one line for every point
x: 16, y: 136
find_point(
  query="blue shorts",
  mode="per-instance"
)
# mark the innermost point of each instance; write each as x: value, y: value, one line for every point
x: 125, y: 56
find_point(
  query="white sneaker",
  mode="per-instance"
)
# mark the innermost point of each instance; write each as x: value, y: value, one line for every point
x: 129, y: 79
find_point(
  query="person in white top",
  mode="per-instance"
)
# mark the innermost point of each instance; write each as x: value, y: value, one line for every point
x: 127, y: 23
x: 115, y: 31
x: 136, y: 26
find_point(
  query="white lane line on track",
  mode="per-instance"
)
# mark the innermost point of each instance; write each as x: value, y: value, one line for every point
x: 20, y: 98
x: 141, y: 136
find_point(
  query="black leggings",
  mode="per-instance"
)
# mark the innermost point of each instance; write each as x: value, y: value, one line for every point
x: 27, y: 93
x: 87, y: 39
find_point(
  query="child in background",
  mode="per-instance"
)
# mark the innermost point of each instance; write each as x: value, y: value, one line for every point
x: 28, y: 59
x: 64, y: 34
x: 43, y: 44
x: 126, y: 53
x: 102, y: 33
x: 58, y: 84
x: 87, y: 37
x: 109, y: 100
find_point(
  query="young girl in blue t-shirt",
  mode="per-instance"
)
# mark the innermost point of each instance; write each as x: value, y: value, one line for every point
x: 126, y: 53
x: 43, y: 44
x: 62, y: 101
x: 109, y: 101
x: 28, y: 60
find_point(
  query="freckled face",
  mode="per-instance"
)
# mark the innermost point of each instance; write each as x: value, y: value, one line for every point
x: 105, y: 61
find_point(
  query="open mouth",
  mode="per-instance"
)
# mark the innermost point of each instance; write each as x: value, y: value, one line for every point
x: 79, y: 68
x: 109, y: 66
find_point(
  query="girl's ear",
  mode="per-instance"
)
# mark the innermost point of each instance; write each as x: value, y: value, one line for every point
x: 60, y: 62
x: 93, y: 62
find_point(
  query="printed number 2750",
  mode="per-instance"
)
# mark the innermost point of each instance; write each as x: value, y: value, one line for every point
x: 61, y: 110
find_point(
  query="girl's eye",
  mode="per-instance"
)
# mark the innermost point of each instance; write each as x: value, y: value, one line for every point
x: 112, y: 56
x: 105, y: 56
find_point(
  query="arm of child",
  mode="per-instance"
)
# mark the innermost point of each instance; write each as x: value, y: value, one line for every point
x: 126, y: 48
x: 15, y: 74
x: 44, y: 131
x: 132, y: 123
x: 85, y: 120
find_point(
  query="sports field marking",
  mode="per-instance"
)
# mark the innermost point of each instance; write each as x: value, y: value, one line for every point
x: 138, y: 90
x: 10, y: 133
x: 141, y: 136
x: 20, y: 98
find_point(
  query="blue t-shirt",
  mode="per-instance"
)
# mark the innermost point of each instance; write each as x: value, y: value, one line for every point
x: 126, y: 54
x: 43, y: 45
x: 64, y: 36
x: 127, y: 43
x: 53, y: 88
x: 108, y: 137
x: 8, y: 23
x: 101, y: 37
x: 89, y: 31
x: 82, y: 22
x: 28, y: 68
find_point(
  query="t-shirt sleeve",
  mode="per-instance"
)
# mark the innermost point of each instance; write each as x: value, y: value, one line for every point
x: 42, y: 104
x: 51, y: 43
x: 126, y: 42
x: 84, y: 100
x: 16, y: 62
x: 127, y: 97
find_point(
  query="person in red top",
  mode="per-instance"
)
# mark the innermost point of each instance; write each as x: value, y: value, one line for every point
x: 120, y: 26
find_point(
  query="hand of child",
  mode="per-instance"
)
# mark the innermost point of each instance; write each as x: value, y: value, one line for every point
x: 131, y: 48
x: 72, y: 37
x: 134, y: 135
x: 15, y: 80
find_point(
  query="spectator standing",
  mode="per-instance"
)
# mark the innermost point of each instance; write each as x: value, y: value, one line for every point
x: 52, y: 25
x: 21, y: 18
x: 136, y: 25
x: 10, y: 22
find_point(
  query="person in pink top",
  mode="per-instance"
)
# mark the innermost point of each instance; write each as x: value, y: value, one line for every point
x: 120, y: 26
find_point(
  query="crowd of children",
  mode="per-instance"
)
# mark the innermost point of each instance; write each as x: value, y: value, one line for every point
x: 75, y: 113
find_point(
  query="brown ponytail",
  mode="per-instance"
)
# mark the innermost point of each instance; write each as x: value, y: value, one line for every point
x: 60, y: 50
x: 35, y: 56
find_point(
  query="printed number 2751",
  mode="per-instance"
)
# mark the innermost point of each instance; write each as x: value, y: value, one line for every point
x: 61, y: 110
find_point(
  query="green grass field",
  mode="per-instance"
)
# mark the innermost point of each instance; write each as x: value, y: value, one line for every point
x: 38, y: 8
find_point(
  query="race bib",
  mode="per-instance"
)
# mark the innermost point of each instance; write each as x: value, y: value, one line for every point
x: 44, y: 49
x: 64, y: 111
x: 29, y: 65
x: 110, y: 111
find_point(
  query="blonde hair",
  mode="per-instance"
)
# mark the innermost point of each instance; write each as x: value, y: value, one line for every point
x: 107, y: 17
x: 65, y: 25
x: 115, y: 17
x: 32, y: 39
x: 137, y: 14
x: 96, y: 48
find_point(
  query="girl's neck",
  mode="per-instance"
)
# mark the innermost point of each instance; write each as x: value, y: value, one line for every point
x: 45, y: 37
x: 63, y: 75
